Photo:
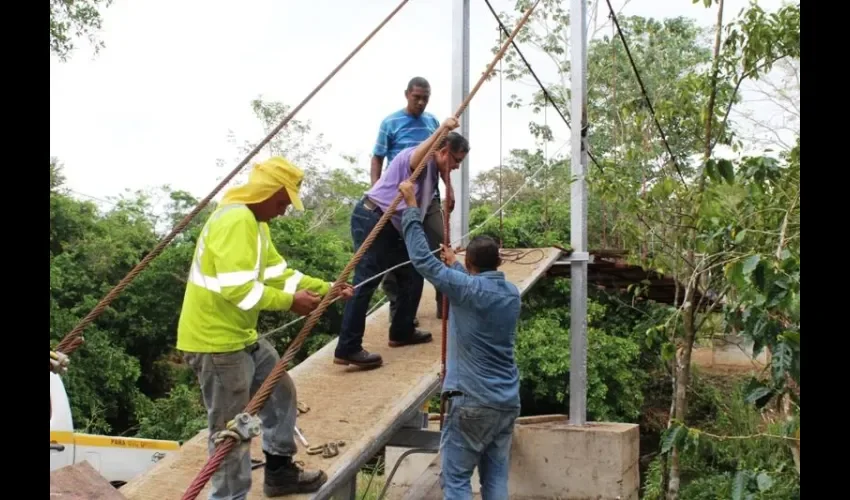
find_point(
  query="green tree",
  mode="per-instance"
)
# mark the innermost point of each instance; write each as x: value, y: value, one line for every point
x: 127, y: 377
x: 668, y: 194
x: 71, y: 19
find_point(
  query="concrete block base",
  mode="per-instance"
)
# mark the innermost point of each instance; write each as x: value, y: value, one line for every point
x: 552, y: 459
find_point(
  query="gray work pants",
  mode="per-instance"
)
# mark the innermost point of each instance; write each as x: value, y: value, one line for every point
x: 433, y: 224
x: 228, y: 381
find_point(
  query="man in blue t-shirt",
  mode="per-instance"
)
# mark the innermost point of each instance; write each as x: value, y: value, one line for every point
x: 406, y: 128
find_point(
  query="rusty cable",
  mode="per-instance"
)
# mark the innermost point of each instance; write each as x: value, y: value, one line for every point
x: 277, y: 372
x: 445, y: 303
x: 516, y: 256
x: 72, y: 340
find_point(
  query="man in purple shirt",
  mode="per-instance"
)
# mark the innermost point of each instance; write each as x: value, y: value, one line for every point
x: 389, y: 249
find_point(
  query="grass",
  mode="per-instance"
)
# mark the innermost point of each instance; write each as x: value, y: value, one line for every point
x: 366, y: 491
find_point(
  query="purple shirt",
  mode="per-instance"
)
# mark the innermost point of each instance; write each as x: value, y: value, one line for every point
x: 385, y: 190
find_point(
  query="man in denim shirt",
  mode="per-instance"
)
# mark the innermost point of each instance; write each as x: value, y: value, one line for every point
x: 482, y: 379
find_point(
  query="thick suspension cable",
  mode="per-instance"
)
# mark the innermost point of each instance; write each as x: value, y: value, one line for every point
x: 643, y: 91
x: 265, y: 390
x: 72, y: 340
x: 445, y: 301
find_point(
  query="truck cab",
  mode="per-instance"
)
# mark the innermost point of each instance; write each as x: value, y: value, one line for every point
x: 118, y: 459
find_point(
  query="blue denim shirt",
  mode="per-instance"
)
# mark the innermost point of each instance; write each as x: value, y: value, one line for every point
x: 483, y: 315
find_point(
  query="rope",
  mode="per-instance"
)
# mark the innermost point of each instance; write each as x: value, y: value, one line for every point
x: 274, y: 377
x: 501, y: 150
x: 513, y: 256
x: 445, y: 304
x: 70, y: 343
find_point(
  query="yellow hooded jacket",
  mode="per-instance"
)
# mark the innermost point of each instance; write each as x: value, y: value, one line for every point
x: 236, y: 272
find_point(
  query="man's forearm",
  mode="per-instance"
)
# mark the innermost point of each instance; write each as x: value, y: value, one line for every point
x: 377, y: 167
x: 417, y: 244
x: 446, y: 280
x: 419, y: 152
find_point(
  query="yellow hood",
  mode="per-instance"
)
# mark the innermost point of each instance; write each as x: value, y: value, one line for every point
x: 266, y: 179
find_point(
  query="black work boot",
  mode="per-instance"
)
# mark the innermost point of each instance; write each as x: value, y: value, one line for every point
x: 417, y: 337
x: 285, y: 477
x: 362, y: 359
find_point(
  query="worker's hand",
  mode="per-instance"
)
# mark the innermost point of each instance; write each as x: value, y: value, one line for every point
x: 304, y: 302
x: 450, y: 123
x: 448, y: 255
x: 346, y: 291
x: 59, y: 363
x: 407, y: 191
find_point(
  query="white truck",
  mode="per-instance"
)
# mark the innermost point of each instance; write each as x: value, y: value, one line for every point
x: 118, y: 459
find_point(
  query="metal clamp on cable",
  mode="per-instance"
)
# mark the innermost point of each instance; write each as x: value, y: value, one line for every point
x: 59, y: 362
x: 243, y: 427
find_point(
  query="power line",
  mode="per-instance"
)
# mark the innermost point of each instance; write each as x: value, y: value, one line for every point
x: 613, y: 17
x: 539, y: 83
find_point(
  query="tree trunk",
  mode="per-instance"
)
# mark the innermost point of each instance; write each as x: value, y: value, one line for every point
x: 683, y: 355
x: 787, y: 413
x: 683, y: 380
x: 665, y: 470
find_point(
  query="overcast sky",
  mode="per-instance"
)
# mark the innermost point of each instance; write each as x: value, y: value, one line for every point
x: 155, y: 106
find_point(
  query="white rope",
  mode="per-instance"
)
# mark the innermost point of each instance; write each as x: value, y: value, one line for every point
x: 488, y: 219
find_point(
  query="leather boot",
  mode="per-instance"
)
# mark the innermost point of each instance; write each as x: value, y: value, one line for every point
x: 417, y: 337
x: 362, y: 359
x: 290, y: 478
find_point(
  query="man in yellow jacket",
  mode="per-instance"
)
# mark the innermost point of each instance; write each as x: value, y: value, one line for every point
x: 236, y: 272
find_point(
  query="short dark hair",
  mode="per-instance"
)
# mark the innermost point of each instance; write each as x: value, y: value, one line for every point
x: 457, y: 143
x: 483, y: 252
x: 418, y: 81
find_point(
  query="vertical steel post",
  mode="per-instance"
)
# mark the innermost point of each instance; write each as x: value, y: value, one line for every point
x: 460, y: 89
x: 578, y: 214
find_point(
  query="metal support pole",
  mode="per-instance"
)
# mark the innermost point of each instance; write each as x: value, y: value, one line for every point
x: 460, y: 89
x: 578, y: 214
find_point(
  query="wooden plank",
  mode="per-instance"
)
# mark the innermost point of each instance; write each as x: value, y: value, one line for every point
x: 81, y: 482
x: 363, y: 408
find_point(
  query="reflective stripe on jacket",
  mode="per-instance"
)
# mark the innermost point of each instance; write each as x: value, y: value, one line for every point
x: 236, y: 272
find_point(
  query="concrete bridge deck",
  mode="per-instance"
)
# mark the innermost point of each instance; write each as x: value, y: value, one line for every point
x: 362, y: 408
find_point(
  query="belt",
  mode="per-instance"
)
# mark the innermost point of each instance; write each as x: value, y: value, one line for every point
x: 371, y: 206
x: 451, y: 394
x: 252, y: 348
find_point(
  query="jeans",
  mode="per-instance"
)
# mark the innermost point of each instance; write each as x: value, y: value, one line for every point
x: 476, y: 436
x: 434, y: 231
x: 228, y: 381
x: 387, y: 250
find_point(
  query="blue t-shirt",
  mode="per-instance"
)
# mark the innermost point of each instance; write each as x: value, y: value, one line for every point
x: 401, y: 130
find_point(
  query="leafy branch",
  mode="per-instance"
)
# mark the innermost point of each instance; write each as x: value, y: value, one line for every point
x: 681, y: 436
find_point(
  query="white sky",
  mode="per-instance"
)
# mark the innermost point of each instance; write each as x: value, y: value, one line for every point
x: 155, y: 106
